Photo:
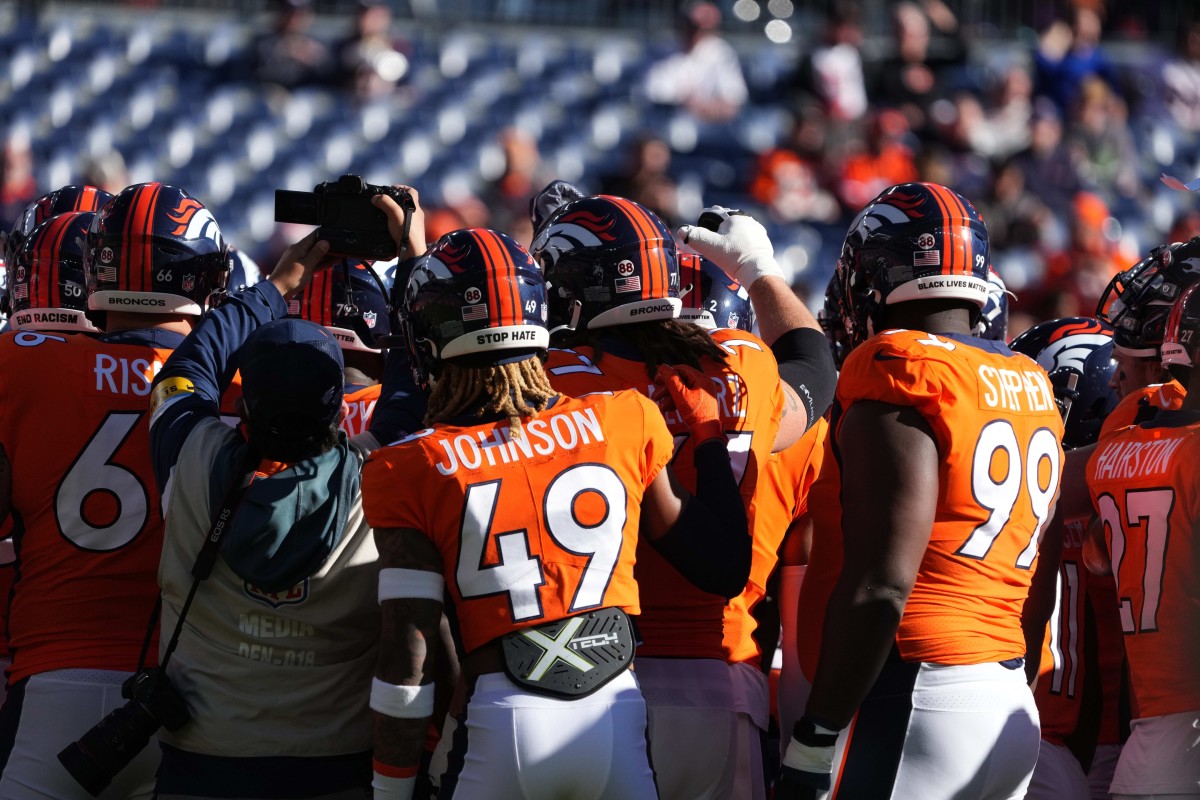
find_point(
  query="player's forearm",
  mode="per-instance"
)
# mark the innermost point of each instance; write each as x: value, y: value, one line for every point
x: 777, y: 309
x: 860, y: 627
x: 710, y: 543
x: 1039, y: 605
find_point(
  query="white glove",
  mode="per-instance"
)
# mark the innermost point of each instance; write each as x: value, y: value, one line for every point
x: 739, y: 246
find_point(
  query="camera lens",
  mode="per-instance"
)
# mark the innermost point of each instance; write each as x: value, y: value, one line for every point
x: 108, y: 747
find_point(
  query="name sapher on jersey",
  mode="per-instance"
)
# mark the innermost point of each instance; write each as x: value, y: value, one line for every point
x: 985, y: 405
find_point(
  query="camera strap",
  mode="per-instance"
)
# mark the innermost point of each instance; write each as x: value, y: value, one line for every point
x: 207, y: 557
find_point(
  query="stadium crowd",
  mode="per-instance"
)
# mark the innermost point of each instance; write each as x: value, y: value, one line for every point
x: 560, y: 494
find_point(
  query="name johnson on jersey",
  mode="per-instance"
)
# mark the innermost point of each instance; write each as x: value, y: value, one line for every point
x: 543, y: 437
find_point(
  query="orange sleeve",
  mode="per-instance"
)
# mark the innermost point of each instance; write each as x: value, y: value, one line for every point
x: 391, y: 486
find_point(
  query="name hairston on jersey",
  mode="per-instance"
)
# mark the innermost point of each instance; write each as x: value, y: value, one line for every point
x: 1124, y: 460
x: 543, y: 436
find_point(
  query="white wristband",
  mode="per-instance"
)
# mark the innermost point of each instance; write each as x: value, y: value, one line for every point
x: 410, y: 584
x: 389, y: 788
x: 806, y: 758
x: 403, y: 702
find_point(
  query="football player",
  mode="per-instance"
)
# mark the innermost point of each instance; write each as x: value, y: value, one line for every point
x: 613, y: 270
x: 941, y: 469
x: 349, y: 300
x: 87, y: 524
x: 1077, y: 354
x: 47, y: 288
x: 1142, y: 481
x: 525, y: 507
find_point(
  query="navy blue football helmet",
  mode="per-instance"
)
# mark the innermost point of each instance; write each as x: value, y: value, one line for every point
x: 350, y: 301
x: 607, y: 261
x: 1181, y: 339
x: 832, y: 322
x: 47, y: 289
x: 915, y: 241
x: 1138, y: 300
x: 993, y: 320
x: 1077, y: 353
x: 60, y: 201
x: 712, y: 299
x: 155, y: 249
x: 476, y: 296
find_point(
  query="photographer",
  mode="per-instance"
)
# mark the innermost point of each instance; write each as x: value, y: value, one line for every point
x: 276, y: 653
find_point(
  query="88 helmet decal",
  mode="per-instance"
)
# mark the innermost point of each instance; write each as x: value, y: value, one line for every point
x: 475, y: 292
x: 915, y: 241
x: 607, y: 261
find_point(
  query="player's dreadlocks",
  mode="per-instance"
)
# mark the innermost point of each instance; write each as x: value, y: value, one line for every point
x: 658, y: 342
x: 519, y: 389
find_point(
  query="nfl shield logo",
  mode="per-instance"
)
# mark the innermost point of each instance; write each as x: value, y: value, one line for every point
x: 296, y: 594
x: 369, y: 317
x: 189, y: 283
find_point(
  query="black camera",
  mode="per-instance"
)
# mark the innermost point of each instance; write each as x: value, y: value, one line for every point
x: 114, y: 741
x: 343, y: 210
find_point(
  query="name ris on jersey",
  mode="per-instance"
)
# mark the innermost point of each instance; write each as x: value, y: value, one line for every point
x: 114, y: 374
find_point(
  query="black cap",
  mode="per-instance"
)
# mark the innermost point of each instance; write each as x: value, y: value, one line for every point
x: 292, y: 380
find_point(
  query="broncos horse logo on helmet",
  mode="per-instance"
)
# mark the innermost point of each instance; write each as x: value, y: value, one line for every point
x: 915, y: 241
x: 154, y: 249
x: 45, y: 279
x: 1077, y: 353
x: 476, y: 295
x: 607, y: 261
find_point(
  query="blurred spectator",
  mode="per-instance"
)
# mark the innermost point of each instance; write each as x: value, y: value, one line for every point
x: 645, y: 178
x: 288, y: 56
x: 106, y: 171
x: 369, y: 62
x: 917, y: 73
x: 1046, y: 165
x: 787, y: 180
x: 1099, y: 139
x: 1005, y: 127
x: 1181, y: 79
x: 833, y: 72
x: 1015, y: 216
x: 507, y: 198
x: 706, y: 77
x: 18, y: 187
x: 1185, y: 226
x: 1076, y: 277
x: 1067, y: 55
x: 959, y: 124
x: 885, y: 160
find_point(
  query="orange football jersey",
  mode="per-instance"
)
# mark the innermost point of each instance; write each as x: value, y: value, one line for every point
x: 1059, y: 691
x: 1146, y: 488
x: 362, y: 403
x: 74, y: 421
x: 530, y: 528
x: 998, y: 433
x: 1110, y: 649
x: 1139, y: 404
x: 679, y: 620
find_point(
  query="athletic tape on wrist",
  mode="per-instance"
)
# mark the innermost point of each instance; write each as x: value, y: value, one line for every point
x: 808, y: 759
x: 410, y: 584
x: 402, y: 702
x: 387, y: 787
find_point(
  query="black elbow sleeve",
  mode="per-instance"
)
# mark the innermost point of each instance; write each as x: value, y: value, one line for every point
x: 806, y: 365
x: 710, y: 542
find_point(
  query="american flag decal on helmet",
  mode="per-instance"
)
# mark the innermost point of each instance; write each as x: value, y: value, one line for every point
x: 475, y: 312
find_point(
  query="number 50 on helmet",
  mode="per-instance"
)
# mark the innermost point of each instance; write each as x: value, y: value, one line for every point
x: 476, y: 297
x: 915, y: 241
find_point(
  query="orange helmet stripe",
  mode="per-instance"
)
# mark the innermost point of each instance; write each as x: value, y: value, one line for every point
x: 57, y: 234
x: 939, y: 196
x: 141, y: 219
x: 653, y: 259
x: 505, y: 297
